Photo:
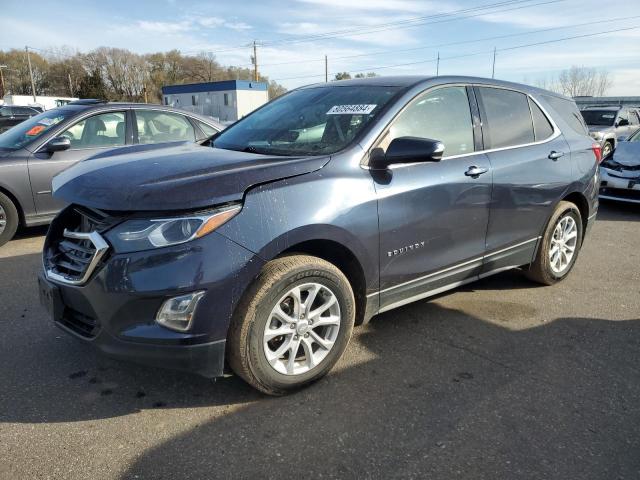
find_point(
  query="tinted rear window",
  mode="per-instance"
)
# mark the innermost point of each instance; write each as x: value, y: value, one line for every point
x: 507, y: 118
x: 541, y: 125
x: 568, y: 111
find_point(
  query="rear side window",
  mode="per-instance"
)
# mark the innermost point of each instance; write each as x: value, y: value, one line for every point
x: 507, y: 120
x: 541, y: 126
x: 157, y: 126
x: 208, y: 130
x: 568, y: 111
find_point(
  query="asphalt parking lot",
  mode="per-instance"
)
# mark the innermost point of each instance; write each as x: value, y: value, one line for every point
x: 500, y: 379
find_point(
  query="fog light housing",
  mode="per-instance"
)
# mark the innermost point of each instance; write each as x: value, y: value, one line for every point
x: 177, y: 313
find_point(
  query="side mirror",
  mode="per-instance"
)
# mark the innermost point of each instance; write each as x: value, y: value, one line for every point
x: 407, y: 150
x: 58, y: 144
x: 623, y: 122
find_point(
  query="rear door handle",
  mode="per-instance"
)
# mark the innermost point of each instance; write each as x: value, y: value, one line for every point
x: 475, y: 172
x: 556, y: 155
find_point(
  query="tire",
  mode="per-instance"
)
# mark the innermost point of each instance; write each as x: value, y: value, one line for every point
x: 9, y: 219
x: 254, y: 321
x: 607, y: 148
x: 547, y: 269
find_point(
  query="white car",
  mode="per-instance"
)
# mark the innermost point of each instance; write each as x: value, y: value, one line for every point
x: 620, y: 172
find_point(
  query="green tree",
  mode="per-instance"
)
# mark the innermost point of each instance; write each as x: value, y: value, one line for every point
x: 342, y: 76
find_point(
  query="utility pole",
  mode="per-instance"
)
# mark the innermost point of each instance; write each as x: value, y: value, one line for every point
x: 255, y: 62
x: 326, y: 69
x: 70, y: 85
x: 2, y: 79
x: 33, y: 85
x: 438, y: 65
x: 493, y: 68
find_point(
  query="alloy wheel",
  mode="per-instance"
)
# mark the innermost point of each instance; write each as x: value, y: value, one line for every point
x: 3, y: 219
x: 563, y: 244
x: 302, y: 329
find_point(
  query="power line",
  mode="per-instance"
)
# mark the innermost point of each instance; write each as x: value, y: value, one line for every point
x: 364, y: 29
x: 460, y: 42
x: 515, y: 47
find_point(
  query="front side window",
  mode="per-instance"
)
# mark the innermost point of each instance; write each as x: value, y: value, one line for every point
x: 442, y: 114
x: 156, y: 126
x: 507, y: 121
x: 310, y: 121
x: 633, y: 118
x: 98, y: 131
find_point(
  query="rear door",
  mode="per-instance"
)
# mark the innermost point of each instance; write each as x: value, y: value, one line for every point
x: 433, y: 216
x: 531, y: 169
x: 89, y: 136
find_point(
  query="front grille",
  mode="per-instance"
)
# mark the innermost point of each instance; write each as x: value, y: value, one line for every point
x: 74, y: 245
x: 80, y: 323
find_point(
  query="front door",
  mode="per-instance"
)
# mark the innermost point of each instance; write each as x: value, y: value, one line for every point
x: 433, y: 216
x: 89, y: 137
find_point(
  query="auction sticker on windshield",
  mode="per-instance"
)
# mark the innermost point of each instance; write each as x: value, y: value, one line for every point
x: 351, y: 109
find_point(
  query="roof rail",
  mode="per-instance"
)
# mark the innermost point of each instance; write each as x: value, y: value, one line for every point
x: 87, y: 101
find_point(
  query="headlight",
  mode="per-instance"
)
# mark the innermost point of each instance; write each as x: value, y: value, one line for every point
x: 145, y: 234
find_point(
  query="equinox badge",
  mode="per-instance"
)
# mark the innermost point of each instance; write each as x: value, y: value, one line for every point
x: 405, y: 249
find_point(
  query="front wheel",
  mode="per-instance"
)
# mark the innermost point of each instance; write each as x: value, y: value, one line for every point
x: 9, y: 219
x: 292, y: 325
x: 560, y: 245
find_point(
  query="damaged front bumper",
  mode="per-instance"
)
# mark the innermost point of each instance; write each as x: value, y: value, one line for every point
x: 620, y: 184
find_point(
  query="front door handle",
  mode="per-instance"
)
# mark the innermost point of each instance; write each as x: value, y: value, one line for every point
x: 556, y: 155
x: 475, y: 172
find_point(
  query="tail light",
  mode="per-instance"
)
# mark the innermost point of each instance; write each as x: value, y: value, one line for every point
x: 597, y: 151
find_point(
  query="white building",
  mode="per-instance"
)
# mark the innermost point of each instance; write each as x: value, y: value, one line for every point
x: 228, y: 100
x: 47, y: 103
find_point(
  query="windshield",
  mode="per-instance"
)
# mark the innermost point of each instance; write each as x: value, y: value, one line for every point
x: 310, y: 121
x: 604, y: 118
x: 635, y: 137
x: 33, y: 128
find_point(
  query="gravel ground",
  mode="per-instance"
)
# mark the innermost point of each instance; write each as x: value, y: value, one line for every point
x: 500, y: 379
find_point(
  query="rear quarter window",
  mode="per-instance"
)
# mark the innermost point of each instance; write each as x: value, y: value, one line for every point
x: 568, y: 111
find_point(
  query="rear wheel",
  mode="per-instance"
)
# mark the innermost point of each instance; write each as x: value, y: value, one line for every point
x: 560, y: 245
x: 8, y: 219
x: 292, y: 325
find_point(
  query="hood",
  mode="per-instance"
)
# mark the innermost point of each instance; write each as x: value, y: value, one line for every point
x: 181, y: 177
x: 627, y: 154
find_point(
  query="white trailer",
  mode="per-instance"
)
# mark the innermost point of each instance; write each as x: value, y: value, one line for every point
x: 46, y: 103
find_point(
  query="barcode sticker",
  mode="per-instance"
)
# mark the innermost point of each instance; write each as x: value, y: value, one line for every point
x: 351, y: 109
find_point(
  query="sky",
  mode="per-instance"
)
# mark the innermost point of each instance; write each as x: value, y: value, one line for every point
x: 389, y: 37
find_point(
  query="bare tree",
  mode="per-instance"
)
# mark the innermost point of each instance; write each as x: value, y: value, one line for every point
x: 583, y: 81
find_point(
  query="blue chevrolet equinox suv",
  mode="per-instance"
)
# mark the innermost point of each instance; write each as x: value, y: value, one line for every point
x: 261, y: 250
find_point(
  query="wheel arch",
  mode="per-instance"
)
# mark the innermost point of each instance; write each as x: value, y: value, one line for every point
x: 580, y: 201
x: 342, y: 257
x: 16, y: 203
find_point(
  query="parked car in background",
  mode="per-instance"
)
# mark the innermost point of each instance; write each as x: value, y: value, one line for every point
x: 331, y: 204
x: 620, y: 173
x: 11, y: 115
x: 608, y: 125
x: 34, y: 151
